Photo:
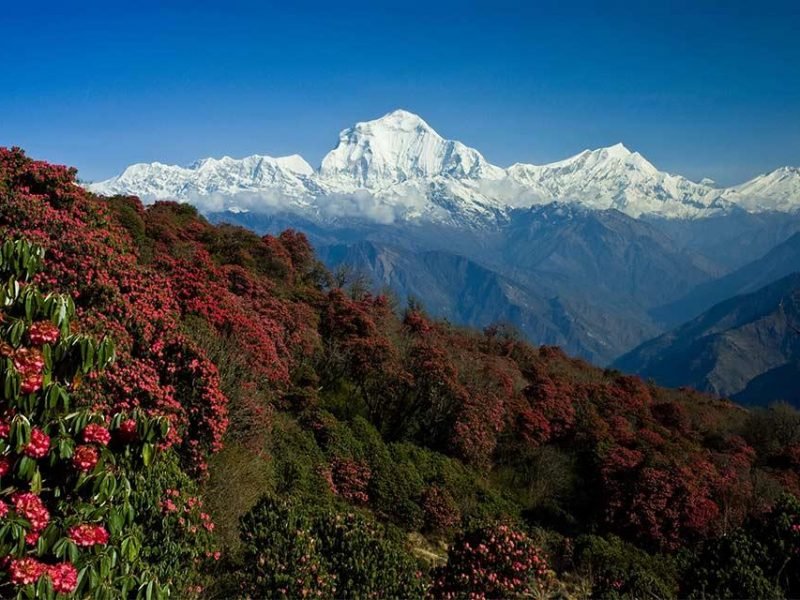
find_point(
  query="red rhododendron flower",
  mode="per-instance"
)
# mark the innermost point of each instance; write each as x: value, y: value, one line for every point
x: 31, y: 538
x: 31, y: 383
x: 43, y: 332
x: 88, y: 534
x: 127, y: 430
x: 5, y: 429
x: 24, y: 571
x: 31, y: 507
x: 28, y: 362
x: 3, y: 509
x: 5, y: 465
x: 85, y: 458
x: 39, y: 445
x: 94, y: 433
x: 64, y: 577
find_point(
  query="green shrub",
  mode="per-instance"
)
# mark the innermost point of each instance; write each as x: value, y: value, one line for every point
x: 617, y: 569
x: 729, y: 567
x: 292, y: 551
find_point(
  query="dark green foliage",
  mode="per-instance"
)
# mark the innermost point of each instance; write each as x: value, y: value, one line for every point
x: 729, y: 567
x: 292, y: 551
x: 758, y: 560
x: 617, y: 569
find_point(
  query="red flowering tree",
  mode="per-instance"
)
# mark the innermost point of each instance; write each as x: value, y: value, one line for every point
x: 97, y: 262
x: 67, y: 522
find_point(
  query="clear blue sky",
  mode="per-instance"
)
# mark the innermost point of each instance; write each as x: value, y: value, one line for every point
x: 703, y: 89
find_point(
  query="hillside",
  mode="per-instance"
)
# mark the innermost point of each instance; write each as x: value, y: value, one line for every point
x: 747, y: 340
x: 342, y: 446
x: 780, y: 261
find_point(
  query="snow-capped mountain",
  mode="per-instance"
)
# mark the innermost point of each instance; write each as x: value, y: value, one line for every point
x: 397, y: 168
x: 400, y: 147
x: 615, y: 177
x: 777, y: 190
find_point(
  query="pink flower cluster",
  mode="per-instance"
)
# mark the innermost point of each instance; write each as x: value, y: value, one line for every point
x: 128, y: 431
x: 39, y: 445
x: 29, y: 363
x: 85, y: 458
x: 43, y: 332
x: 31, y: 507
x: 88, y: 534
x: 97, y: 434
x: 25, y: 571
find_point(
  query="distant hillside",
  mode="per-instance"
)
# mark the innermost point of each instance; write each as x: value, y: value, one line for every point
x: 453, y: 287
x: 779, y: 262
x: 747, y: 343
x: 562, y: 274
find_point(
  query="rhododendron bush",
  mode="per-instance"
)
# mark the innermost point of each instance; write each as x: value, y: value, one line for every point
x: 68, y: 523
x: 492, y: 562
x: 293, y: 552
x: 95, y: 261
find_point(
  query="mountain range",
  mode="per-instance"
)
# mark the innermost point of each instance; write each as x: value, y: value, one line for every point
x: 597, y: 253
x: 398, y: 168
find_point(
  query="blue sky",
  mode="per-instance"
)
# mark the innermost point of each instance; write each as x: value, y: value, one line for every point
x: 702, y: 89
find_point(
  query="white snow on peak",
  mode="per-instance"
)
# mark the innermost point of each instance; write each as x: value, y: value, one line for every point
x: 398, y: 147
x: 398, y: 167
x: 615, y: 177
x: 777, y: 190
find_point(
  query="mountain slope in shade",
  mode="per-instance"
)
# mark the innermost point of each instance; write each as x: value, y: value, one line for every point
x: 744, y: 344
x: 398, y: 168
x: 732, y: 239
x: 604, y: 268
x: 622, y: 259
x: 461, y: 290
x: 779, y: 262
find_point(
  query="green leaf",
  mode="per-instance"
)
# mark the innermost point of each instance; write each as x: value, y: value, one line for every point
x: 36, y: 481
x: 147, y: 454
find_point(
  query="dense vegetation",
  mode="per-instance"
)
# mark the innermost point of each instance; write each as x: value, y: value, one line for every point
x: 340, y: 446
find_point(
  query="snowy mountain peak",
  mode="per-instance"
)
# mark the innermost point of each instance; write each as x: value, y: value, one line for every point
x: 618, y: 150
x: 401, y: 120
x: 224, y: 176
x: 776, y: 190
x: 398, y: 147
x: 397, y: 167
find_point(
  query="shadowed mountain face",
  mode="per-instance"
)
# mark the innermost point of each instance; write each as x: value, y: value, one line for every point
x: 602, y: 253
x: 460, y: 290
x: 746, y: 347
x: 733, y: 239
x: 779, y: 262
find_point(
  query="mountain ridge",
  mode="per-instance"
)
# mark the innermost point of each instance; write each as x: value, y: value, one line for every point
x: 729, y: 347
x: 398, y: 168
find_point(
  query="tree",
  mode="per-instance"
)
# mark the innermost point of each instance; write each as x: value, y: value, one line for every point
x: 68, y: 518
